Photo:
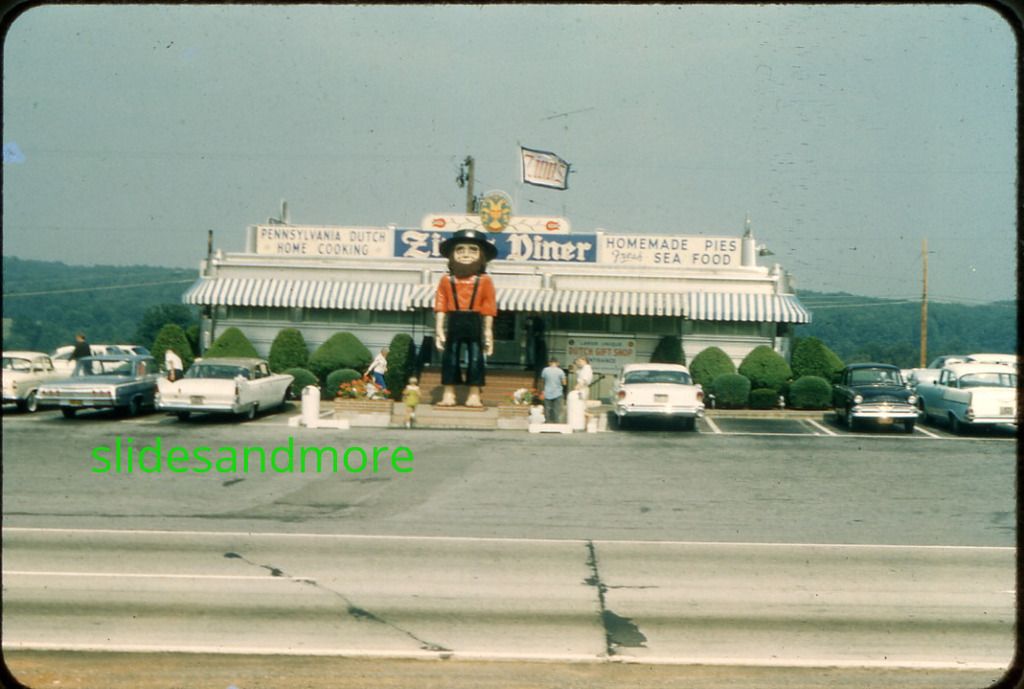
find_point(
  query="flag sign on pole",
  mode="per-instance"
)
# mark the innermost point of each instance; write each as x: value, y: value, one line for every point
x: 544, y: 169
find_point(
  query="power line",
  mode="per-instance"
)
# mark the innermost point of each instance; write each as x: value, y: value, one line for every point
x: 94, y: 289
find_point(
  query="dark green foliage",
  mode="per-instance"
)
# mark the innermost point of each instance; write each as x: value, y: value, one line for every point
x: 764, y: 398
x: 303, y: 377
x: 156, y: 317
x: 811, y: 357
x: 288, y: 351
x: 669, y: 351
x: 810, y: 392
x: 765, y: 368
x: 336, y: 378
x: 48, y: 302
x: 172, y: 337
x: 401, y: 364
x: 341, y: 350
x: 231, y: 343
x: 192, y: 334
x: 731, y: 391
x: 709, y: 364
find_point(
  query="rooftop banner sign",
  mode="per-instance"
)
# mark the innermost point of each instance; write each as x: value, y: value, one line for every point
x: 515, y: 247
x: 324, y: 242
x: 517, y: 224
x: 544, y: 169
x: 665, y: 251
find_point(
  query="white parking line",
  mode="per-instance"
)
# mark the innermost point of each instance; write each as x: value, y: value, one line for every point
x: 143, y: 575
x: 927, y: 433
x: 713, y: 425
x: 820, y: 427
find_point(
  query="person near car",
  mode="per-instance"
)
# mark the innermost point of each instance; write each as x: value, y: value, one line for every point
x: 81, y: 349
x: 173, y: 365
x: 553, y: 378
x: 378, y: 367
x: 584, y: 377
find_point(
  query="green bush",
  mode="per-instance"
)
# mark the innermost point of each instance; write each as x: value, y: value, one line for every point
x: 231, y: 343
x: 811, y: 357
x: 172, y: 337
x: 764, y: 398
x: 731, y: 391
x: 336, y: 378
x: 709, y: 364
x: 401, y: 364
x: 341, y: 350
x: 765, y: 368
x: 810, y: 392
x: 669, y: 351
x: 303, y: 377
x: 288, y: 351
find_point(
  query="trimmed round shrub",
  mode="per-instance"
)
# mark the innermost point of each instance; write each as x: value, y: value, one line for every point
x: 811, y: 357
x: 172, y: 337
x: 401, y: 364
x: 336, y: 378
x: 709, y: 364
x: 765, y: 368
x: 303, y: 377
x: 731, y: 391
x: 669, y: 351
x: 231, y: 343
x: 288, y: 351
x: 341, y: 350
x: 764, y: 398
x: 810, y: 392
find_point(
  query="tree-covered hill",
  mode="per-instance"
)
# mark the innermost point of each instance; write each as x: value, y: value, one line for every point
x: 45, y: 303
x: 868, y: 329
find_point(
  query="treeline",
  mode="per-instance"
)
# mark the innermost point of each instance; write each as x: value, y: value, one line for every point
x: 45, y: 303
x: 866, y: 329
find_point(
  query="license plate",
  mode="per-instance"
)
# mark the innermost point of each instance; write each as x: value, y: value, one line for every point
x: 196, y: 399
x: 884, y: 420
x: 75, y: 403
x: 661, y: 398
x: 1006, y: 411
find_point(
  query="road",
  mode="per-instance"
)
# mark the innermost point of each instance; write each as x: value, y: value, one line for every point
x: 748, y: 546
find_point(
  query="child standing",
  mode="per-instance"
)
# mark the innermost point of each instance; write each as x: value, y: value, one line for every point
x: 411, y: 398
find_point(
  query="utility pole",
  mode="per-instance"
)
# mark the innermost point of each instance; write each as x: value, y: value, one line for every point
x: 924, y: 303
x: 465, y: 179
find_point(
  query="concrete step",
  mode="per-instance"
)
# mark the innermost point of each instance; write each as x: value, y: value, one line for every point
x: 429, y: 416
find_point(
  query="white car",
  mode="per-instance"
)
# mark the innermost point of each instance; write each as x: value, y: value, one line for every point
x: 1005, y: 359
x: 23, y: 373
x: 915, y: 376
x: 657, y: 391
x: 970, y: 395
x: 241, y: 386
x: 61, y: 356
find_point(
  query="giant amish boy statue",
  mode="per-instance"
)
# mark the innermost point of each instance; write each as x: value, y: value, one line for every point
x: 464, y: 309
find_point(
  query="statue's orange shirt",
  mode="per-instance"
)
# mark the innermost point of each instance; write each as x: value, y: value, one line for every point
x: 484, y: 304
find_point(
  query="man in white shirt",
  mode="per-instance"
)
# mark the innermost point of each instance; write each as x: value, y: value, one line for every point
x: 584, y: 377
x: 173, y: 365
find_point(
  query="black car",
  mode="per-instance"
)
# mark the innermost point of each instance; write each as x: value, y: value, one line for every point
x: 874, y: 392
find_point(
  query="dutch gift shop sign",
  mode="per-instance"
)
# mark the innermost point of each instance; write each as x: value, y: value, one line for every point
x: 669, y: 251
x: 324, y: 242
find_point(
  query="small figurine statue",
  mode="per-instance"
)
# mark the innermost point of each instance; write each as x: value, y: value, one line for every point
x: 464, y: 308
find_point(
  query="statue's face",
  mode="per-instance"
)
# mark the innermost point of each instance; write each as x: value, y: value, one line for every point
x: 466, y: 254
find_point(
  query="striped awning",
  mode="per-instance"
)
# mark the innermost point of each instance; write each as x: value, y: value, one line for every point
x: 312, y: 294
x: 388, y: 296
x: 761, y: 308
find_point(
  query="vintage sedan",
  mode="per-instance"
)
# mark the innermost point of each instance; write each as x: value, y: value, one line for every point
x: 874, y: 392
x: 971, y: 395
x: 914, y: 376
x: 23, y: 373
x: 241, y: 386
x: 657, y: 391
x: 123, y: 382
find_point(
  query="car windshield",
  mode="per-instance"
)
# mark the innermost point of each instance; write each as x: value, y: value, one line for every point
x: 988, y: 380
x: 670, y: 377
x: 88, y: 366
x: 14, y: 364
x: 875, y: 376
x: 226, y: 371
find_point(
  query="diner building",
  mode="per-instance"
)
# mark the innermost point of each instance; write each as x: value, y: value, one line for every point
x: 607, y: 295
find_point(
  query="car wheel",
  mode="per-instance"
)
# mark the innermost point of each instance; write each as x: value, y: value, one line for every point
x: 68, y: 412
x: 908, y: 426
x: 31, y: 403
x: 250, y: 414
x: 851, y: 422
x: 134, y: 406
x: 955, y: 425
x: 922, y: 413
x: 183, y: 415
x: 687, y: 423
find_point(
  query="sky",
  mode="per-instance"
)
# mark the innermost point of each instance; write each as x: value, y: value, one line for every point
x: 848, y: 133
